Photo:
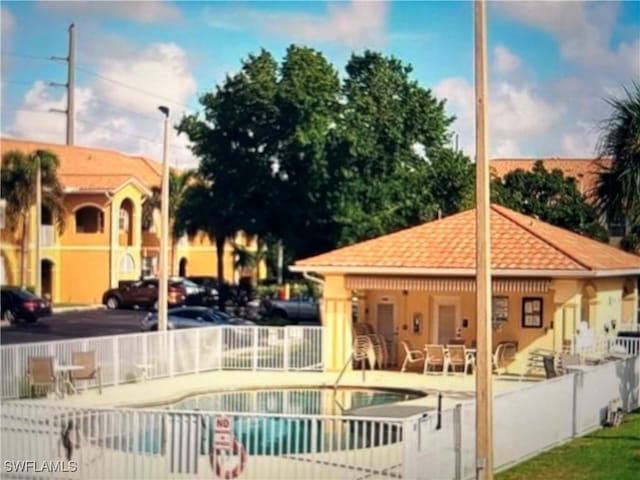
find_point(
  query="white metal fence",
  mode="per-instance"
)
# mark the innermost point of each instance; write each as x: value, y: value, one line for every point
x: 124, y: 358
x: 601, y: 346
x: 133, y: 443
x: 525, y: 422
x: 190, y: 443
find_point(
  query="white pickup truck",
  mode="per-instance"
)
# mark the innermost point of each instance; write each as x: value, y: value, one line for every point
x: 295, y: 309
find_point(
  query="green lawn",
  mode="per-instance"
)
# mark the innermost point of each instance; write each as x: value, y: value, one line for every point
x: 607, y: 454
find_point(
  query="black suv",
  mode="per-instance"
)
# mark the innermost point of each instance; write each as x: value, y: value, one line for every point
x: 20, y: 304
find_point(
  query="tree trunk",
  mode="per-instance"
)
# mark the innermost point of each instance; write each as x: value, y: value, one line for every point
x: 220, y: 240
x: 24, y: 246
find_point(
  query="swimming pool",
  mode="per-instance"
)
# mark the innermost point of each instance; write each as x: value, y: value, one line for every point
x: 273, y: 422
x: 290, y: 401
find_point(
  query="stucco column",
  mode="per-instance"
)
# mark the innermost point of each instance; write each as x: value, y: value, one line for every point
x: 337, y: 322
x: 113, y: 243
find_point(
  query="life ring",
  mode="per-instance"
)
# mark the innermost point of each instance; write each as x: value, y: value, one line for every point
x: 236, y: 449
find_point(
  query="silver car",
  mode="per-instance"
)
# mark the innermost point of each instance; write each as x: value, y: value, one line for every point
x: 192, y: 317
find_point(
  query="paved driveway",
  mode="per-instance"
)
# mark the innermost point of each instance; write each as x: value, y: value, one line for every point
x: 74, y: 324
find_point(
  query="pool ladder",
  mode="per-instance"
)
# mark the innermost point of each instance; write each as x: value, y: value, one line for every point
x: 362, y: 350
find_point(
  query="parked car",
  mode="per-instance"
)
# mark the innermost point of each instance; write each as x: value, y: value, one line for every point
x: 237, y: 295
x: 199, y: 292
x: 143, y: 293
x: 194, y: 317
x: 295, y: 309
x: 20, y: 304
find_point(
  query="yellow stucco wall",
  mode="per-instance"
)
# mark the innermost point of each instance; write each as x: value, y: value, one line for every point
x: 563, y: 311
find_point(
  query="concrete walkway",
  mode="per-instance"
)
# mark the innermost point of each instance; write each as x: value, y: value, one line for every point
x: 455, y: 388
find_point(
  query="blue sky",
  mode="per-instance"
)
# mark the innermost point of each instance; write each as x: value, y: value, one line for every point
x: 550, y: 63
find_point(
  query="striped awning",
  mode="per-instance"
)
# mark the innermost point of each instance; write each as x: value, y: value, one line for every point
x: 445, y: 285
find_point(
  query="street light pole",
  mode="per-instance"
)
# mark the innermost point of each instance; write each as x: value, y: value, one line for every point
x: 163, y: 284
x: 484, y: 392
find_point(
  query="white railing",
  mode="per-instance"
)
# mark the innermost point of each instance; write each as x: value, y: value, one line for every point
x: 193, y: 443
x: 598, y: 347
x: 525, y: 421
x: 145, y: 443
x: 124, y: 358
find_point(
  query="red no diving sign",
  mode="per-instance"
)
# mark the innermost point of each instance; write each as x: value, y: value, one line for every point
x: 228, y: 456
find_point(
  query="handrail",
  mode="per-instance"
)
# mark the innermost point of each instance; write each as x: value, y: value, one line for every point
x: 362, y: 350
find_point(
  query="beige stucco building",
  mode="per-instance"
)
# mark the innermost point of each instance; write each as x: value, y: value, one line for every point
x: 418, y: 285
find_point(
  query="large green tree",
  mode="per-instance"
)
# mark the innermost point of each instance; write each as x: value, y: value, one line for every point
x: 299, y: 157
x: 19, y: 180
x: 390, y: 127
x: 235, y: 144
x: 618, y: 186
x: 451, y: 179
x: 551, y: 197
x: 308, y: 105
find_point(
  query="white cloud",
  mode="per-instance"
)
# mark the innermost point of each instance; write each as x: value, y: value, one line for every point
x: 113, y: 116
x: 138, y: 11
x: 582, y: 29
x: 517, y: 115
x: 557, y: 116
x: 7, y: 19
x: 353, y: 24
x: 505, y: 61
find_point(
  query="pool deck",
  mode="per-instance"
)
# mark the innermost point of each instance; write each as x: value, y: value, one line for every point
x: 455, y: 388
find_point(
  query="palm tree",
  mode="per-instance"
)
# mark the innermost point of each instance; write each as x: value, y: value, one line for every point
x: 246, y: 259
x: 18, y: 183
x: 618, y: 185
x: 203, y: 210
x: 178, y: 183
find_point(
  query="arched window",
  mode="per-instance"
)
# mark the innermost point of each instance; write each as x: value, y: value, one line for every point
x: 89, y: 220
x: 127, y: 264
x: 124, y: 220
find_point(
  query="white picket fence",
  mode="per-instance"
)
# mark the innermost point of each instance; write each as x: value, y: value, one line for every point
x: 124, y: 358
x: 525, y: 421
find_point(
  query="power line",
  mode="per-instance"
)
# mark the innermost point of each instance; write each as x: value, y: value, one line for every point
x: 29, y: 110
x: 19, y: 82
x: 116, y: 107
x: 131, y: 87
x: 21, y: 55
x: 140, y: 137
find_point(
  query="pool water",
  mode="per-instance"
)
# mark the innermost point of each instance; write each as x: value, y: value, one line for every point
x: 304, y: 401
x: 257, y: 423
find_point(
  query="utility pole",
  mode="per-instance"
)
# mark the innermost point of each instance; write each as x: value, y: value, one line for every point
x: 70, y: 111
x: 484, y: 393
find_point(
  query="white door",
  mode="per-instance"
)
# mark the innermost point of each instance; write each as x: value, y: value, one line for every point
x: 386, y: 326
x: 446, y: 323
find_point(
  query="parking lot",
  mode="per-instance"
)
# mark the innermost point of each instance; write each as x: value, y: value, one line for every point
x: 78, y: 324
x: 74, y: 324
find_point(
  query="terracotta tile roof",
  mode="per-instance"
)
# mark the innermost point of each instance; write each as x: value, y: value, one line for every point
x: 584, y: 170
x: 92, y: 168
x: 518, y: 242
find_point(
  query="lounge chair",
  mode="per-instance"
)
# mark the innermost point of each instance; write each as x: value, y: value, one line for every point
x: 90, y: 370
x: 411, y: 356
x: 435, y: 357
x: 41, y: 373
x: 459, y: 357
